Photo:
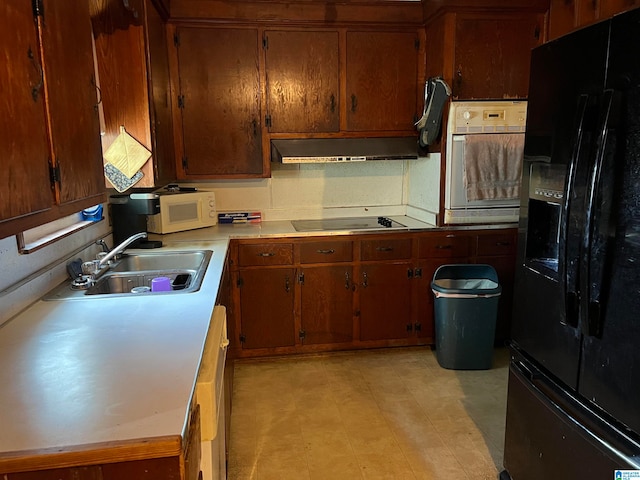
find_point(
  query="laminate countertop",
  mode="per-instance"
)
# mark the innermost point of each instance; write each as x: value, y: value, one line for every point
x: 92, y: 373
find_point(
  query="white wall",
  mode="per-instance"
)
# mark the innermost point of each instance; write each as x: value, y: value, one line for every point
x: 293, y: 191
x: 25, y: 278
x: 335, y: 190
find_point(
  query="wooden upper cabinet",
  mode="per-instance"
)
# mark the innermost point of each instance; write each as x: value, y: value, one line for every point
x: 218, y: 103
x: 133, y: 67
x: 568, y: 15
x: 492, y: 54
x: 381, y: 80
x: 23, y: 140
x: 72, y: 99
x: 302, y: 80
x: 50, y: 140
x: 484, y: 55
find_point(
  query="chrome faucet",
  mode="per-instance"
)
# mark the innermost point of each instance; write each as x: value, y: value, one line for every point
x: 103, y: 245
x: 120, y: 248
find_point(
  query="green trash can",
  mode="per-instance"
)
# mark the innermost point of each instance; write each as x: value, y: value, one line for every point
x: 466, y: 307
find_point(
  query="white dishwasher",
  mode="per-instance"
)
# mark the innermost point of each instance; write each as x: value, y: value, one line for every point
x: 210, y: 396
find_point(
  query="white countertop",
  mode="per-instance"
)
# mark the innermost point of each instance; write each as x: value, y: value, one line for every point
x: 89, y: 371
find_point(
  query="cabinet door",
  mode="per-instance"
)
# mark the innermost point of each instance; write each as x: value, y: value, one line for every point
x: 266, y: 307
x: 562, y: 17
x: 492, y: 55
x: 220, y: 102
x: 24, y: 184
x: 608, y: 8
x: 72, y: 99
x: 327, y: 304
x: 302, y: 70
x: 385, y: 301
x: 381, y: 79
x: 164, y: 166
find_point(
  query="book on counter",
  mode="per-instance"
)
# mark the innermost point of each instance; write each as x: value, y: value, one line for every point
x: 240, y: 217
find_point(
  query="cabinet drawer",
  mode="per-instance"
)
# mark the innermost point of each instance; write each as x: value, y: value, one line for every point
x: 497, y: 244
x: 381, y: 249
x: 326, y: 252
x: 445, y: 246
x: 265, y: 254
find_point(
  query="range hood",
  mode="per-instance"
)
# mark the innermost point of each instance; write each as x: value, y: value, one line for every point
x: 329, y: 150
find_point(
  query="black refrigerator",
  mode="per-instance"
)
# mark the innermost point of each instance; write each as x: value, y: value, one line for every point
x: 573, y: 405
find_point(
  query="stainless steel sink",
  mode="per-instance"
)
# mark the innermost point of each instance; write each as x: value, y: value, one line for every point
x: 125, y: 277
x: 139, y: 262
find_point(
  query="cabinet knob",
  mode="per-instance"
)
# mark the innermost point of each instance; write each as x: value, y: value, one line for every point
x: 266, y: 254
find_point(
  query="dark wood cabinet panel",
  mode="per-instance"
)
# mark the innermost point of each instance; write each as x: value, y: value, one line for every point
x: 385, y: 249
x: 23, y: 138
x: 302, y: 80
x: 49, y: 89
x: 326, y: 251
x: 265, y: 254
x: 562, y: 17
x: 266, y: 307
x: 72, y: 99
x: 568, y: 15
x: 609, y: 8
x: 219, y: 103
x: 326, y: 305
x: 385, y: 291
x: 381, y: 79
x: 72, y: 473
x: 151, y: 469
x: 446, y: 245
x: 133, y: 68
x: 492, y: 55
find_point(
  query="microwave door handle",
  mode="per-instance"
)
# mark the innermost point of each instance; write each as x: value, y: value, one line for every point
x: 569, y: 246
x: 598, y: 238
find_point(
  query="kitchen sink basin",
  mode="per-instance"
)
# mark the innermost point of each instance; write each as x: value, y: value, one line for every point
x: 162, y: 261
x: 134, y: 272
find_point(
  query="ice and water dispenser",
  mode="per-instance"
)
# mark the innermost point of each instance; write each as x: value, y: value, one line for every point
x: 546, y: 197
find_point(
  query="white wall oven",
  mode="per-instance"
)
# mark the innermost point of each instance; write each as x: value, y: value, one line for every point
x: 484, y: 150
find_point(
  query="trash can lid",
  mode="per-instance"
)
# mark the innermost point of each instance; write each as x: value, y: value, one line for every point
x: 466, y: 284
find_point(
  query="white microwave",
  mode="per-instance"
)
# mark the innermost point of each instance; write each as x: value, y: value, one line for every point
x: 183, y: 211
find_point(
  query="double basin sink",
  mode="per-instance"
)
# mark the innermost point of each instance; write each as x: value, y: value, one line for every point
x: 132, y: 271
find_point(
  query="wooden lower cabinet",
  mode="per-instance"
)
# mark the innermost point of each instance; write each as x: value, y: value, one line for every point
x: 326, y: 304
x: 385, y: 301
x: 182, y: 466
x: 266, y: 307
x: 297, y: 295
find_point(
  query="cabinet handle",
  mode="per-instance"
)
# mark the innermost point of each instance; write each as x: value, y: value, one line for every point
x: 287, y: 284
x: 326, y: 252
x: 503, y: 244
x: 385, y: 249
x: 254, y: 124
x: 266, y: 254
x: 444, y: 247
x: 347, y: 281
x: 365, y: 280
x: 35, y: 90
x: 333, y: 103
x: 354, y: 103
x: 417, y: 273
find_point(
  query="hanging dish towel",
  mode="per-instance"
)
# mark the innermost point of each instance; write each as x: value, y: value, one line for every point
x: 493, y: 166
x: 126, y: 154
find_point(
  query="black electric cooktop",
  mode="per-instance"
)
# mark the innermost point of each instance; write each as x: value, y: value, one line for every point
x: 351, y: 223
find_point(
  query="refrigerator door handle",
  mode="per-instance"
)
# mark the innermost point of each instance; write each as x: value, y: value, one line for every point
x: 598, y: 224
x: 570, y: 263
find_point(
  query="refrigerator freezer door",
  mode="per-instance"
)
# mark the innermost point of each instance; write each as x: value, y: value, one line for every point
x: 567, y: 78
x: 549, y: 436
x: 610, y: 367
